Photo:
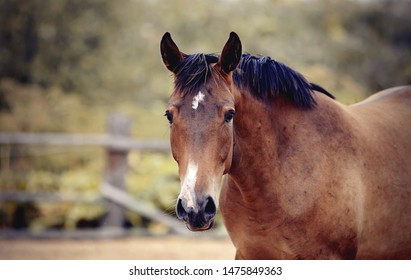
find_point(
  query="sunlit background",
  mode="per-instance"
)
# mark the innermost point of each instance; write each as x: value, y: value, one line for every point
x: 66, y: 66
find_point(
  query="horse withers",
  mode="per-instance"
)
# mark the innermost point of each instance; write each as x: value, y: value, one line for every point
x: 306, y: 176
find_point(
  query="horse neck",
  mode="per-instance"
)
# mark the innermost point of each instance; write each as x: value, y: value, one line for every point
x: 277, y: 142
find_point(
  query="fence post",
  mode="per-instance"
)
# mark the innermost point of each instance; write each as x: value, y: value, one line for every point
x: 116, y: 167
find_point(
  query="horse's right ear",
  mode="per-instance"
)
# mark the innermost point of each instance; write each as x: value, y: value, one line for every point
x: 231, y: 54
x: 170, y: 53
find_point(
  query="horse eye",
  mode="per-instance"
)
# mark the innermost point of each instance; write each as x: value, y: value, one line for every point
x: 169, y: 116
x: 228, y: 116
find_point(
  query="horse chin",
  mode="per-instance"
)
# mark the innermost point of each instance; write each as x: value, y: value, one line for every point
x: 200, y: 228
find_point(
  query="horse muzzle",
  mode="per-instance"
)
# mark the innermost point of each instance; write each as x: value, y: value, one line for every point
x: 199, y: 215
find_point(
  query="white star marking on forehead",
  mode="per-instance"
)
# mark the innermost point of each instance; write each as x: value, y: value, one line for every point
x: 197, y: 100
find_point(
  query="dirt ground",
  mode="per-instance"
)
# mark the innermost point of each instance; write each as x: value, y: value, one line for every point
x: 132, y: 248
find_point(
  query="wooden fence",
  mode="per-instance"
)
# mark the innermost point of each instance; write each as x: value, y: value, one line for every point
x: 118, y: 143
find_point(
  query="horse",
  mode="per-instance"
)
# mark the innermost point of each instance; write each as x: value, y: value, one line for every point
x: 298, y: 174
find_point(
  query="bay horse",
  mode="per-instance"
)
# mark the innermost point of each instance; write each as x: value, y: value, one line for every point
x: 306, y: 176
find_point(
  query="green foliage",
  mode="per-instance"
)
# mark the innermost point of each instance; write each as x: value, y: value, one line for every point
x: 153, y: 178
x: 109, y: 51
x: 31, y: 108
x: 144, y: 181
x: 377, y: 49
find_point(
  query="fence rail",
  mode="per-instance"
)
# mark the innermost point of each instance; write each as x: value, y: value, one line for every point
x: 115, y: 142
x: 118, y: 143
x: 23, y: 197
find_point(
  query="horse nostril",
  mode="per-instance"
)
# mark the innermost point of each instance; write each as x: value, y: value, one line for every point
x: 210, y: 208
x: 180, y: 211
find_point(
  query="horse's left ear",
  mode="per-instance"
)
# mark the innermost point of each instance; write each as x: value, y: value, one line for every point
x: 231, y: 54
x: 170, y: 53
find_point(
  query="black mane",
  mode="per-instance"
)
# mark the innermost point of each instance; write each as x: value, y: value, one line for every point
x: 266, y: 78
x: 262, y: 76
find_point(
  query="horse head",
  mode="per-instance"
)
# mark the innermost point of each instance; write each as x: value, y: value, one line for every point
x: 200, y: 112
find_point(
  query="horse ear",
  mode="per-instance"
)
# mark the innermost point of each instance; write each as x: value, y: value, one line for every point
x: 170, y: 53
x: 231, y: 54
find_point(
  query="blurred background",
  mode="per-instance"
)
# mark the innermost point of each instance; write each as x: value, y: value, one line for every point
x: 71, y: 67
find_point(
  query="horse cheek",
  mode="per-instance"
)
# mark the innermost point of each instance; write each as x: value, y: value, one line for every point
x: 226, y: 152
